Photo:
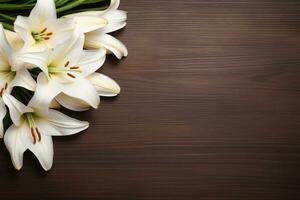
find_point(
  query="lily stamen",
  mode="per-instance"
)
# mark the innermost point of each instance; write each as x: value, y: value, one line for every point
x: 44, y: 30
x: 33, y: 135
x: 71, y: 75
x: 68, y: 70
x: 67, y: 63
x: 38, y: 133
x: 58, y: 70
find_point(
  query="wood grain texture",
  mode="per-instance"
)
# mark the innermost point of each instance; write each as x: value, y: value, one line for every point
x: 210, y: 110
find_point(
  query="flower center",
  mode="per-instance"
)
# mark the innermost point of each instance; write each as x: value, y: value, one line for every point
x: 42, y: 35
x: 67, y: 70
x: 35, y: 133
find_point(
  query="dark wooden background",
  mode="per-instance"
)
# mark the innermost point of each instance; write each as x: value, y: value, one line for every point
x: 210, y: 110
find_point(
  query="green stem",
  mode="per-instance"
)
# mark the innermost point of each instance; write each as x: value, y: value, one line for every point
x: 7, y: 26
x: 4, y: 16
x: 60, y: 3
x: 6, y: 1
x: 83, y: 10
x: 93, y: 1
x: 6, y: 6
x: 70, y: 6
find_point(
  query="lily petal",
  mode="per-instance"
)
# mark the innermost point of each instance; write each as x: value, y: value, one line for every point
x: 54, y: 104
x: 116, y: 21
x: 15, y: 145
x: 115, y: 16
x: 14, y: 39
x: 104, y: 85
x: 45, y: 92
x: 95, y: 40
x: 63, y: 28
x: 16, y: 108
x: 114, y: 5
x: 43, y: 150
x: 59, y: 124
x: 32, y: 59
x: 22, y: 27
x: 91, y: 61
x: 24, y: 79
x: 82, y: 89
x: 44, y: 10
x: 89, y: 23
x: 72, y: 103
x: 5, y: 49
x: 2, y: 115
x: 68, y: 52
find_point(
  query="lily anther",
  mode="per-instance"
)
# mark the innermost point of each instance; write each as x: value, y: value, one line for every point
x: 35, y: 133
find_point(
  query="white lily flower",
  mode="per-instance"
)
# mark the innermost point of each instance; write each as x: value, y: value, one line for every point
x: 12, y: 71
x: 33, y: 130
x: 96, y: 25
x: 67, y: 69
x: 104, y: 86
x: 42, y: 29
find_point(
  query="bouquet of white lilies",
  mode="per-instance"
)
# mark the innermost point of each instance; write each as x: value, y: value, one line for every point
x: 47, y: 62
